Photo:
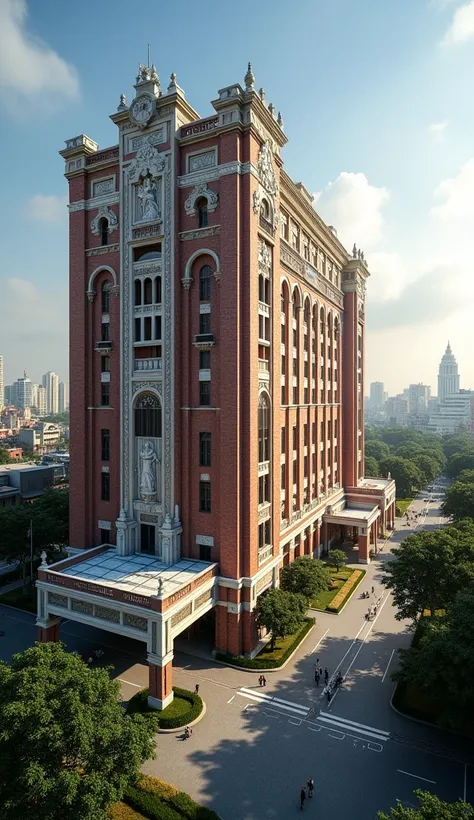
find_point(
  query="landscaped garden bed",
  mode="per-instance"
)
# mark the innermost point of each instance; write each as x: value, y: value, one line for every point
x: 269, y: 658
x: 154, y: 799
x: 402, y: 505
x: 183, y: 709
x: 343, y: 583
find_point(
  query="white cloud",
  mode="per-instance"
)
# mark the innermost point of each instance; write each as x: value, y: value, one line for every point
x: 27, y: 65
x: 50, y: 208
x: 452, y: 219
x: 461, y: 28
x: 438, y: 130
x: 354, y: 208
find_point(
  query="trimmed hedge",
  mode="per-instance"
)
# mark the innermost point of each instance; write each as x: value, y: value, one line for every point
x: 158, y: 802
x: 120, y: 811
x: 346, y: 591
x: 261, y: 663
x: 139, y: 703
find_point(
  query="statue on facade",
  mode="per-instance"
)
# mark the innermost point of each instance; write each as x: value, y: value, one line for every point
x: 148, y: 459
x: 148, y: 203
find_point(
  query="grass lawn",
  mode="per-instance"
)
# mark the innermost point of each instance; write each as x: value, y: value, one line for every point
x: 281, y: 646
x: 16, y: 598
x: 176, y: 708
x: 325, y: 597
x: 402, y: 505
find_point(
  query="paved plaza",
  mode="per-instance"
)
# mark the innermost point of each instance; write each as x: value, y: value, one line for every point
x: 250, y: 755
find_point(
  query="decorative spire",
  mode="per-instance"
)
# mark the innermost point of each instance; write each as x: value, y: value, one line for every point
x: 448, y: 349
x: 249, y: 79
x: 354, y: 251
x: 123, y: 103
x: 262, y: 94
x: 271, y: 109
x: 172, y: 86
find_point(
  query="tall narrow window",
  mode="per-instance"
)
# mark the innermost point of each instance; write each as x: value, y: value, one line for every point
x: 205, y: 449
x: 138, y: 329
x: 201, y: 207
x: 138, y: 292
x: 105, y: 445
x: 205, y: 394
x: 204, y: 323
x: 105, y: 364
x: 105, y: 486
x: 158, y: 290
x: 205, y: 496
x: 205, y: 282
x: 148, y: 416
x: 105, y: 297
x: 105, y: 394
x: 148, y: 292
x: 283, y: 440
x: 204, y: 359
x: 105, y: 331
x: 263, y: 429
x: 104, y: 231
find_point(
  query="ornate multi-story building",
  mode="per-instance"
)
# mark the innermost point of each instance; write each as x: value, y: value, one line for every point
x: 448, y: 375
x: 216, y: 376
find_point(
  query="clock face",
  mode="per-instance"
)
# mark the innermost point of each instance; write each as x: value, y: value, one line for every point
x: 142, y: 109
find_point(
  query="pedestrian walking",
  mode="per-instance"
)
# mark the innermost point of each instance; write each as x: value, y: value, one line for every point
x: 264, y: 680
x: 326, y: 675
x: 328, y: 694
x: 373, y: 590
x: 302, y: 797
x: 316, y: 678
x: 310, y: 785
x: 196, y: 689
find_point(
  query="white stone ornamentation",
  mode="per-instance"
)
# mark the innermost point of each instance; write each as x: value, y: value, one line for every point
x: 264, y: 259
x: 257, y: 201
x: 199, y: 191
x: 148, y: 459
x: 147, y: 195
x: 104, y: 212
x: 148, y: 162
x: 266, y: 171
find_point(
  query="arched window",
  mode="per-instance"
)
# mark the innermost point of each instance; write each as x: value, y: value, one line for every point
x: 296, y: 302
x: 158, y: 290
x: 263, y: 429
x: 201, y: 208
x: 147, y: 292
x: 306, y: 312
x: 105, y: 297
x: 322, y: 320
x: 205, y: 282
x: 138, y: 292
x: 148, y: 416
x: 265, y: 210
x: 104, y: 231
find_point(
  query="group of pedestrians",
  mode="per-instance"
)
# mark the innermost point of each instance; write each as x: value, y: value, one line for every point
x: 318, y: 673
x: 309, y: 787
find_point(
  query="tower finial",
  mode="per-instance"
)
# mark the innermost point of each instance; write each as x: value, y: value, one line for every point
x: 148, y: 63
x: 249, y: 79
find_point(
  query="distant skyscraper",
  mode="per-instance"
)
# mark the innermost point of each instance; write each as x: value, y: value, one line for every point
x: 418, y: 396
x: 1, y: 383
x: 376, y: 394
x: 63, y: 396
x: 23, y: 391
x: 38, y: 399
x: 448, y: 376
x: 51, y: 383
x: 9, y: 393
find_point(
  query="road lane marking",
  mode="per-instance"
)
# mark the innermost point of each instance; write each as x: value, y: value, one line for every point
x: 129, y: 682
x: 341, y: 736
x: 417, y: 776
x: 294, y: 722
x: 232, y: 698
x: 319, y: 642
x: 357, y: 725
x: 336, y: 724
x: 278, y: 703
x: 314, y: 728
x: 388, y: 664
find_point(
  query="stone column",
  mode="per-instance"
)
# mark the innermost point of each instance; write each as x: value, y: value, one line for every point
x: 364, y: 548
x: 160, y: 672
x: 249, y: 631
x: 221, y: 627
x: 47, y: 629
x: 375, y: 536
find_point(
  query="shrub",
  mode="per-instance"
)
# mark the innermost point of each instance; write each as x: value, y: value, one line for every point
x: 153, y: 785
x: 339, y: 600
x: 261, y: 663
x: 149, y: 804
x: 160, y: 801
x: 139, y: 703
x: 120, y: 811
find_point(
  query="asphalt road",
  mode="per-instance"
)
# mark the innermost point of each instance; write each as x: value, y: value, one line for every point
x: 250, y: 755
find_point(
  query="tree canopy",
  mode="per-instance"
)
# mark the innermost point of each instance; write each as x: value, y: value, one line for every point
x: 406, y: 474
x: 281, y: 612
x: 4, y: 457
x: 466, y: 476
x: 67, y: 748
x: 430, y: 808
x: 376, y: 449
x: 305, y: 576
x: 459, y: 462
x: 430, y: 568
x: 371, y: 467
x: 458, y: 443
x: 441, y: 664
x: 49, y: 515
x: 459, y: 501
x: 336, y: 559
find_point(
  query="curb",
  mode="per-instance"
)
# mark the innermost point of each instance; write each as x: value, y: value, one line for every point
x: 275, y: 668
x: 180, y: 728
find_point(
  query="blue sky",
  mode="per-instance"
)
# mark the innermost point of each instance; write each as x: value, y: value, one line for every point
x: 376, y: 99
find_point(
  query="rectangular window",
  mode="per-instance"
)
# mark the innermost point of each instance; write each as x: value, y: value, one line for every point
x: 295, y: 338
x: 295, y: 470
x: 105, y: 445
x: 305, y: 369
x: 295, y: 438
x: 283, y: 365
x: 329, y: 428
x: 105, y: 331
x: 205, y: 394
x: 105, y: 364
x: 105, y: 486
x: 157, y: 327
x: 321, y: 434
x: 305, y: 467
x: 147, y: 329
x: 205, y: 449
x: 313, y: 432
x: 283, y: 440
x: 205, y: 282
x: 283, y: 334
x: 283, y: 396
x: 295, y: 367
x: 264, y: 534
x: 204, y: 552
x: 104, y: 536
x: 204, y: 359
x: 283, y: 477
x: 305, y: 434
x: 314, y: 463
x: 264, y: 489
x: 205, y: 496
x: 105, y: 394
x: 138, y: 330
x: 204, y: 323
x: 295, y: 395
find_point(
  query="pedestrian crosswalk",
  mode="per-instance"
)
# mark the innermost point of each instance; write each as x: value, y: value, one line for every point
x: 352, y: 727
x: 287, y: 706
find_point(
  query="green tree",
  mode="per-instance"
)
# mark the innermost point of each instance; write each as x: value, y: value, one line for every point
x: 430, y: 808
x: 281, y: 612
x: 371, y: 467
x: 430, y: 568
x: 376, y: 449
x: 428, y: 467
x: 67, y: 748
x: 466, y: 476
x: 304, y: 576
x: 447, y: 643
x: 336, y: 558
x: 458, y: 443
x: 4, y: 457
x: 460, y: 462
x: 406, y: 474
x: 459, y: 501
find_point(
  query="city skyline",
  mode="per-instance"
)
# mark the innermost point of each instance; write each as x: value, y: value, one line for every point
x: 410, y: 211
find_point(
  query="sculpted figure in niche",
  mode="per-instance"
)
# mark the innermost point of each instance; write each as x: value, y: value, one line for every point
x: 148, y: 459
x: 147, y: 196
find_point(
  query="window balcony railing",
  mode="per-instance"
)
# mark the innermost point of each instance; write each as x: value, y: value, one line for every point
x: 142, y: 365
x: 103, y: 347
x: 266, y: 225
x: 264, y: 554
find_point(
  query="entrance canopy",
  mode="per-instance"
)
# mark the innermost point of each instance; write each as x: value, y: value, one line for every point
x: 353, y: 516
